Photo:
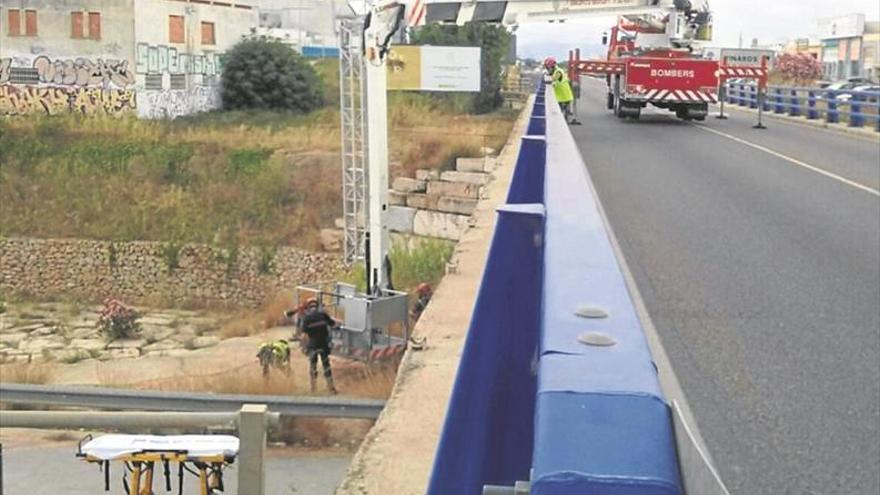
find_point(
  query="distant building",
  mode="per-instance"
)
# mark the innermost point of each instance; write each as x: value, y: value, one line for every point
x: 309, y: 26
x: 808, y: 46
x: 850, y: 47
x: 158, y: 58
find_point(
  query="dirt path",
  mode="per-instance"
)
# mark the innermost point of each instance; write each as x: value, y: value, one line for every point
x: 397, y: 454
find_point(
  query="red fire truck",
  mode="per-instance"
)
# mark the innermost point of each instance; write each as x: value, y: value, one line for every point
x: 662, y: 74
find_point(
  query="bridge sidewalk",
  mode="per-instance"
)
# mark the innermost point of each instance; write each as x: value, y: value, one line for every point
x: 398, y: 453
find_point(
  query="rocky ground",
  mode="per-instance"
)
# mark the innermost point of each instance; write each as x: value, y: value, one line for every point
x: 68, y: 333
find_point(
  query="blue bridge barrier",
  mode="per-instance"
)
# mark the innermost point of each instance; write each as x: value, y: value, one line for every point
x: 857, y: 108
x: 556, y: 385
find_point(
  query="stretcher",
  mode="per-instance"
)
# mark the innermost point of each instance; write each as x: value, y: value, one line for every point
x: 204, y: 456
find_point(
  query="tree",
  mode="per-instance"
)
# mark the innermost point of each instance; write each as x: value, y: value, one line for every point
x: 265, y: 74
x: 799, y: 68
x: 495, y: 42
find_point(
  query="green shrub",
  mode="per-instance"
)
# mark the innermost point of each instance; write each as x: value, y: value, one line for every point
x: 246, y: 162
x: 264, y: 74
x: 170, y: 253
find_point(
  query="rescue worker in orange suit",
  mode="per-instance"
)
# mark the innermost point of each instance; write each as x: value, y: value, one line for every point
x: 561, y: 86
x: 317, y: 325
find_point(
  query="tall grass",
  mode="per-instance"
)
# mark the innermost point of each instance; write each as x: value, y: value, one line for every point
x: 422, y: 261
x: 232, y: 177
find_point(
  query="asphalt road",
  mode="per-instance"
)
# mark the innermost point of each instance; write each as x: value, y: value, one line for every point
x: 53, y: 469
x: 758, y: 256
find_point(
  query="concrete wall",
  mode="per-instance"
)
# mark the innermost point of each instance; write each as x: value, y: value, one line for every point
x: 133, y: 67
x: 53, y: 72
x: 176, y: 79
x: 141, y: 272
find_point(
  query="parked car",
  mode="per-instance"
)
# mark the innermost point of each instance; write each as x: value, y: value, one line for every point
x: 869, y: 92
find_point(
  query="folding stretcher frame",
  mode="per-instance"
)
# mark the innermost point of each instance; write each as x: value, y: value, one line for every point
x: 205, y: 456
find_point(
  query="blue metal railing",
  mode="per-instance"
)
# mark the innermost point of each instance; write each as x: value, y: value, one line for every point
x: 857, y: 108
x: 534, y: 398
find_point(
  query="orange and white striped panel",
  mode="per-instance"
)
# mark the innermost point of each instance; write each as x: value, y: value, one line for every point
x: 416, y: 12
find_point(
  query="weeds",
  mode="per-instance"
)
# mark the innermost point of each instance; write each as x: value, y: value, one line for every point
x: 170, y: 254
x: 29, y: 373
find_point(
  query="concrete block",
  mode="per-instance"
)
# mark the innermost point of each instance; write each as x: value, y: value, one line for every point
x: 426, y: 174
x: 470, y: 164
x: 408, y: 185
x: 457, y: 189
x: 475, y: 178
x: 396, y: 198
x: 451, y: 204
x: 422, y: 201
x: 437, y: 224
x: 332, y: 239
x: 400, y: 218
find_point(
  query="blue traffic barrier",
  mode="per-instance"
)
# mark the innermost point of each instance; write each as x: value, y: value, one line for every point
x: 856, y: 119
x: 812, y: 113
x: 602, y: 425
x: 527, y: 184
x: 795, y: 108
x: 487, y: 436
x: 777, y: 98
x: 832, y: 115
x: 537, y: 126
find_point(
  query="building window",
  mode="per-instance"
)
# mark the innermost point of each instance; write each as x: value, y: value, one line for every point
x: 30, y: 22
x: 176, y: 29
x: 76, y: 25
x: 207, y: 33
x: 94, y: 25
x: 13, y: 18
x: 153, y: 82
x: 178, y: 81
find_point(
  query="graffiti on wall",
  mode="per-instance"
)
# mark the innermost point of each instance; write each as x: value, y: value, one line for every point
x: 54, y: 100
x: 80, y: 72
x: 172, y: 103
x: 161, y: 59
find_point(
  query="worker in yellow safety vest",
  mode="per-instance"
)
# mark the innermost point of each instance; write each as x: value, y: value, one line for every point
x: 561, y: 86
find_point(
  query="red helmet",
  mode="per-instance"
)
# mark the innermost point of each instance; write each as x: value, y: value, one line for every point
x: 311, y: 302
x: 549, y: 62
x: 424, y: 289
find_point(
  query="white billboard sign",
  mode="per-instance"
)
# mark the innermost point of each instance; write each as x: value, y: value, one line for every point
x: 846, y: 26
x: 745, y: 57
x: 434, y: 68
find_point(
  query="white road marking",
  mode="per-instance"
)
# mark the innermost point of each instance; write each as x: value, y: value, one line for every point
x: 789, y: 159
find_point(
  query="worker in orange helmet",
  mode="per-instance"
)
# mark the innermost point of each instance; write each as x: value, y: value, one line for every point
x: 561, y: 86
x: 424, y: 293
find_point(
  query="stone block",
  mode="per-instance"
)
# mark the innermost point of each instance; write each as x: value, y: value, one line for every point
x: 37, y: 346
x: 457, y: 189
x: 163, y: 345
x: 470, y: 164
x: 88, y: 344
x: 427, y: 174
x: 131, y: 352
x: 400, y: 218
x: 126, y: 344
x: 437, y: 224
x: 408, y: 185
x: 475, y: 178
x: 13, y: 339
x: 331, y: 239
x: 462, y: 206
x: 396, y: 198
x: 422, y: 201
x: 204, y: 341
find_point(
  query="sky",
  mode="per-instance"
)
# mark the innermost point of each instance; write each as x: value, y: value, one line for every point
x: 768, y: 20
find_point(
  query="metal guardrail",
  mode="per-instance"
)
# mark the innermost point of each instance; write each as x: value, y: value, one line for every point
x: 150, y: 400
x: 858, y: 108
